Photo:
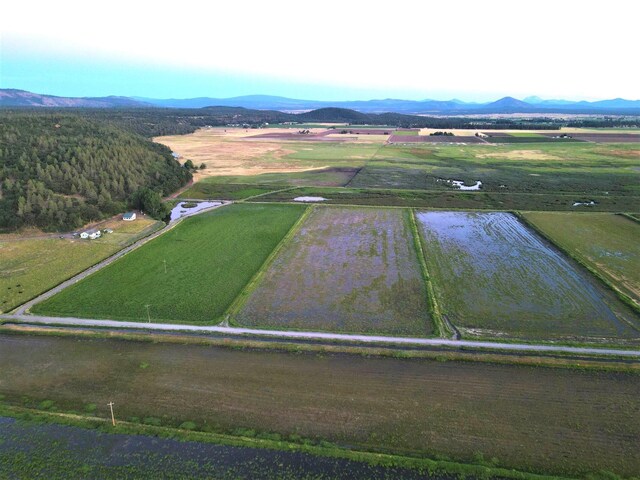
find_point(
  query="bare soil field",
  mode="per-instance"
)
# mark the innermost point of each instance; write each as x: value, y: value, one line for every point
x: 494, y: 277
x: 434, y: 139
x: 603, y: 137
x: 297, y: 137
x: 520, y: 155
x: 345, y: 270
x: 553, y: 420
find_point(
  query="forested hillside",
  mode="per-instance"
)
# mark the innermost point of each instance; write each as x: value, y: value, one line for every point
x: 59, y: 171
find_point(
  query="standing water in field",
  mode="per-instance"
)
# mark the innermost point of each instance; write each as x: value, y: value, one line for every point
x: 493, y: 276
x: 183, y: 210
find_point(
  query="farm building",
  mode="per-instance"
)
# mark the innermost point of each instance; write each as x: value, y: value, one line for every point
x: 91, y: 234
x: 129, y: 216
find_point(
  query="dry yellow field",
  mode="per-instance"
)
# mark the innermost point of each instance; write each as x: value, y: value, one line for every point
x: 232, y: 151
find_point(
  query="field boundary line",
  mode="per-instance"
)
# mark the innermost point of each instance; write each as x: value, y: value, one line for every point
x: 442, y: 327
x: 267, y: 193
x: 364, y: 165
x: 629, y: 217
x: 627, y: 300
x: 244, y: 294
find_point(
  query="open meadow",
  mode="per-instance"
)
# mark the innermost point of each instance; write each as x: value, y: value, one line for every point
x: 345, y: 270
x: 493, y: 277
x: 553, y: 420
x: 541, y: 174
x: 31, y: 265
x: 191, y: 274
x: 608, y: 243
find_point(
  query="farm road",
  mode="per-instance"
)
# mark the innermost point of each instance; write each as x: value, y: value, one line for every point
x: 26, y: 306
x: 368, y: 339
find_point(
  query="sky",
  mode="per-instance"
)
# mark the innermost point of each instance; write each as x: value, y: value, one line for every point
x: 330, y: 50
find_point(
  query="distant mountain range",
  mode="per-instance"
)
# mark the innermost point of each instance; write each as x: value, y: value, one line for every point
x: 21, y: 98
x: 10, y: 97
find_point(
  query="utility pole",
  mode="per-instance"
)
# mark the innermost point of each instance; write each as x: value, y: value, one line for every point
x: 113, y: 419
x: 148, y: 314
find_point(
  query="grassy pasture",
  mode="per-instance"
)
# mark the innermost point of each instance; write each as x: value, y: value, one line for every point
x: 608, y: 243
x: 531, y: 138
x: 582, y: 168
x: 330, y: 176
x: 493, y: 277
x: 209, y: 259
x: 537, y: 419
x: 459, y: 200
x: 222, y: 191
x: 347, y: 270
x: 31, y: 266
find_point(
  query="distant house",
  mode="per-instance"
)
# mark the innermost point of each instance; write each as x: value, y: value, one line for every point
x: 91, y: 234
x: 129, y: 216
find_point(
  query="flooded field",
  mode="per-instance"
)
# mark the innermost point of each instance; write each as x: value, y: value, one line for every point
x: 495, y: 277
x: 62, y: 452
x: 534, y: 418
x: 346, y: 270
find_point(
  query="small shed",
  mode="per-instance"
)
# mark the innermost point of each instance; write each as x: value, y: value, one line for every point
x: 129, y: 216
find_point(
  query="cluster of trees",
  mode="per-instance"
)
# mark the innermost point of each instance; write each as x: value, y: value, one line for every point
x: 60, y: 171
x: 441, y: 134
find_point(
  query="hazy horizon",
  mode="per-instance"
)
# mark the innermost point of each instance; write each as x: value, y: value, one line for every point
x: 413, y: 51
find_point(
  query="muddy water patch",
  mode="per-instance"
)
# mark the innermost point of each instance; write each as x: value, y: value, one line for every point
x: 185, y: 209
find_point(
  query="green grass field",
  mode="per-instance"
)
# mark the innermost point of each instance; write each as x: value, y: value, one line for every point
x: 493, y: 277
x: 581, y: 168
x: 345, y: 270
x: 608, y: 243
x: 31, y: 266
x: 222, y: 191
x: 458, y: 200
x: 552, y: 420
x: 209, y: 259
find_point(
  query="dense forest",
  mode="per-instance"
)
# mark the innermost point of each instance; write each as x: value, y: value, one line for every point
x: 60, y: 171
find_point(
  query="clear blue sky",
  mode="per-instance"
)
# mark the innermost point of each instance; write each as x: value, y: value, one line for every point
x: 64, y: 75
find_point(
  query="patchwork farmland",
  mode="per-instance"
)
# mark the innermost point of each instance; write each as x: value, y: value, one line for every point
x: 495, y: 278
x: 345, y: 270
x: 190, y: 274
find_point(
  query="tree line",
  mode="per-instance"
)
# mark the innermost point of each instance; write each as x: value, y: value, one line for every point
x: 60, y: 171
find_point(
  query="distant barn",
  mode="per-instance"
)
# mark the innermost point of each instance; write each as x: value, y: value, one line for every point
x: 129, y: 216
